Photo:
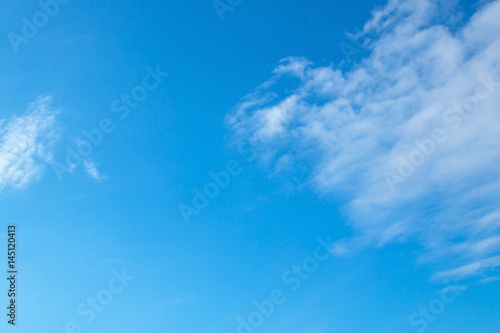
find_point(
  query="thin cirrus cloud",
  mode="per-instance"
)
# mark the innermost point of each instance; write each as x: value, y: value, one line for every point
x: 91, y: 169
x: 26, y: 144
x: 407, y: 140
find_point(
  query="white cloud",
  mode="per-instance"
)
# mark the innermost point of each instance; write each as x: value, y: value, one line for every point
x: 26, y: 144
x: 407, y: 140
x: 91, y: 170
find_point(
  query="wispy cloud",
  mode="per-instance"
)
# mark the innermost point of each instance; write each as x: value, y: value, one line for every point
x: 91, y: 170
x: 26, y: 144
x: 407, y: 141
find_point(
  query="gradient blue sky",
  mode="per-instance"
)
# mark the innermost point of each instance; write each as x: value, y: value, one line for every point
x: 328, y: 128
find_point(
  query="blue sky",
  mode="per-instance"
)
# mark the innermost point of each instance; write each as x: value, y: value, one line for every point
x: 252, y: 166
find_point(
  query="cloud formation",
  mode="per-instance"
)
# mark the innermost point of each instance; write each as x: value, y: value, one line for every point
x: 26, y: 144
x: 91, y: 170
x: 406, y: 141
